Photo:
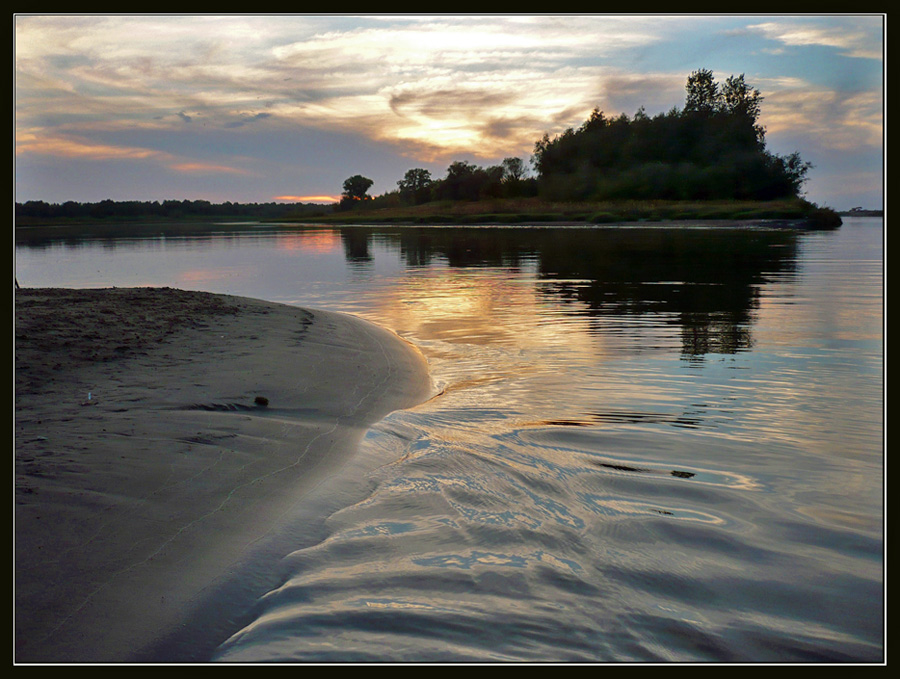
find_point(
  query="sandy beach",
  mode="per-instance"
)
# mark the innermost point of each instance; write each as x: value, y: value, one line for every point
x: 160, y: 435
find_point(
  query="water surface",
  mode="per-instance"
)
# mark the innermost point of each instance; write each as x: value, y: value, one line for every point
x: 649, y: 444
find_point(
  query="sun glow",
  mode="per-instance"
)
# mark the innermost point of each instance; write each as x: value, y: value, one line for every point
x: 309, y: 199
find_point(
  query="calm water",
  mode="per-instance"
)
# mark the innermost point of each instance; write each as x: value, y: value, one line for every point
x: 649, y: 445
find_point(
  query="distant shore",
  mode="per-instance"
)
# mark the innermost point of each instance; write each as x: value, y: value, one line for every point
x: 857, y: 212
x: 797, y: 213
x: 159, y: 436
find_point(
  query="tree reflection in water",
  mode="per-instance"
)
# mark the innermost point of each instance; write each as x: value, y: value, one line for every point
x: 704, y: 280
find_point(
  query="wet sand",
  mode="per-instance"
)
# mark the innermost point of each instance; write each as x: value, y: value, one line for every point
x: 159, y: 436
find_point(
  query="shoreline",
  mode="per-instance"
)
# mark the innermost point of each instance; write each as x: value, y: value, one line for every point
x: 146, y: 474
x: 509, y: 210
x: 25, y: 232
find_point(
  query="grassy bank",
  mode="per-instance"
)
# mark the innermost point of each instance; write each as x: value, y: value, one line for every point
x: 496, y: 211
x: 530, y: 210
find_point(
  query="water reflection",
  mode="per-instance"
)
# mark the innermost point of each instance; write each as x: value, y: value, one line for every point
x: 703, y: 282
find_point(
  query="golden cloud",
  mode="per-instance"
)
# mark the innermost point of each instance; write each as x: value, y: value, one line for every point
x: 309, y: 199
x: 206, y: 168
x: 35, y: 142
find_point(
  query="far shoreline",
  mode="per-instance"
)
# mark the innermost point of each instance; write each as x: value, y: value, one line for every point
x: 49, y: 232
x: 786, y: 213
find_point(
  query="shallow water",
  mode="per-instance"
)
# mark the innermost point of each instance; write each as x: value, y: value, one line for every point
x: 648, y: 445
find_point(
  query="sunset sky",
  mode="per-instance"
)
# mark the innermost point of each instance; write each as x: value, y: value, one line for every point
x: 285, y: 107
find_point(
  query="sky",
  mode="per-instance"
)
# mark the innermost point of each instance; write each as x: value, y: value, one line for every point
x: 262, y: 108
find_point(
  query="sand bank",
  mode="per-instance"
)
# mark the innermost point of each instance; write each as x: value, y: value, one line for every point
x: 146, y: 466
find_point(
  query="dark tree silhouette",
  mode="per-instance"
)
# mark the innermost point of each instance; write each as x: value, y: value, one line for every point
x: 702, y: 92
x: 513, y: 169
x: 739, y: 99
x: 357, y: 187
x: 355, y: 192
x: 109, y: 210
x: 415, y: 187
x: 713, y: 149
x: 466, y: 181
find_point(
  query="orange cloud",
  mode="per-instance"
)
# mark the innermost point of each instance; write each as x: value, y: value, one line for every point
x: 32, y: 142
x: 309, y: 199
x: 206, y: 167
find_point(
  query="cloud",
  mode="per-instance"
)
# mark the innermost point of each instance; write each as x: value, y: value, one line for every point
x: 309, y: 199
x: 657, y: 92
x: 247, y: 119
x: 850, y: 41
x: 441, y: 44
x: 206, y: 168
x: 42, y: 143
x: 451, y: 79
x: 832, y: 119
x: 446, y: 102
x: 36, y: 142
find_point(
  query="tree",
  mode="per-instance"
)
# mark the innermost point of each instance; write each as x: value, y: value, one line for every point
x: 356, y: 187
x: 713, y: 149
x: 466, y: 181
x: 703, y: 94
x: 355, y: 191
x: 595, y: 120
x: 794, y: 169
x: 490, y: 181
x: 738, y: 98
x: 513, y: 169
x: 742, y: 102
x: 415, y: 185
x: 461, y: 182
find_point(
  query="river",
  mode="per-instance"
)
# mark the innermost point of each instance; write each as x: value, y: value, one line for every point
x: 648, y: 444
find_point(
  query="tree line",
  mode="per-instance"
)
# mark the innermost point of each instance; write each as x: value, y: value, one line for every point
x: 464, y: 181
x: 712, y: 149
x: 167, y: 209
